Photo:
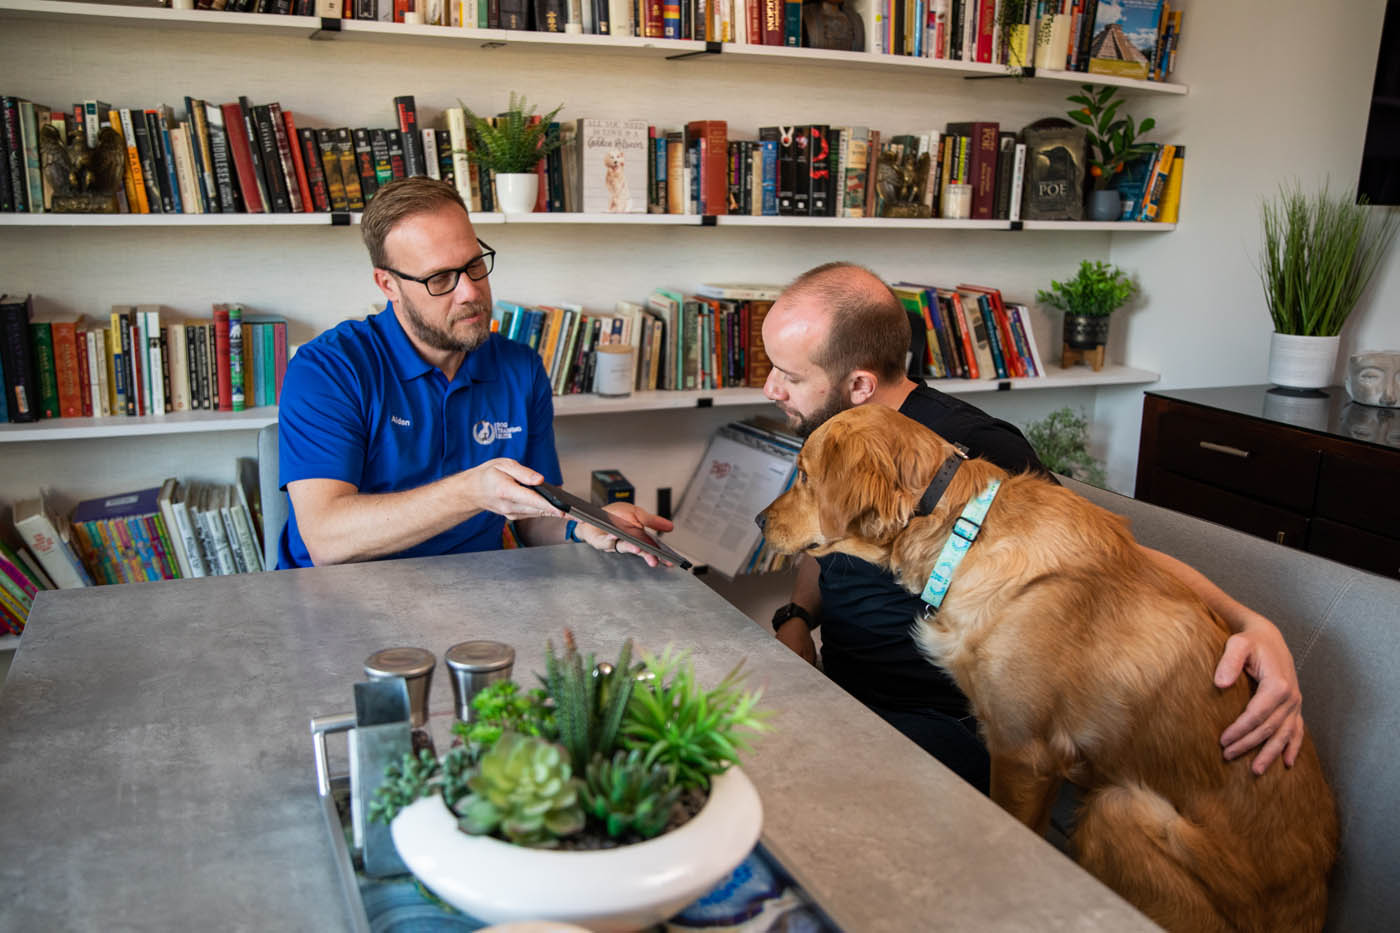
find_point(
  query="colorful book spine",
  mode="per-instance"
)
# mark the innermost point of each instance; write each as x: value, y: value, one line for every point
x: 235, y: 357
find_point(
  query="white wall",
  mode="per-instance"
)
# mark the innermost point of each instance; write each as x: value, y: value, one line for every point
x: 1280, y: 90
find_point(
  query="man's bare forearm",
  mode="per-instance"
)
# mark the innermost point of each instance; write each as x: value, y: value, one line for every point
x: 344, y: 527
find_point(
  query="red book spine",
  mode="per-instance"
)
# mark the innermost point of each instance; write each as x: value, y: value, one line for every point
x: 754, y: 31
x: 773, y: 22
x: 238, y: 147
x: 986, y: 24
x: 294, y: 142
x: 714, y: 163
x: 84, y: 375
x: 653, y: 20
x: 311, y: 159
x: 221, y: 358
x: 983, y: 165
x: 65, y: 366
x: 279, y: 351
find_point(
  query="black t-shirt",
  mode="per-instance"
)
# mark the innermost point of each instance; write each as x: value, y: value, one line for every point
x: 866, y: 616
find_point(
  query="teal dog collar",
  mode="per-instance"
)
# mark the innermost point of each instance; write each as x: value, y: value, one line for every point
x: 965, y: 531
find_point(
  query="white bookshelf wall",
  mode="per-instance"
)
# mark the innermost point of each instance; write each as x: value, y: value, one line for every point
x: 315, y: 275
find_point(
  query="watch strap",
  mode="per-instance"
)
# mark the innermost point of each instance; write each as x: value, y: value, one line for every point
x: 793, y: 611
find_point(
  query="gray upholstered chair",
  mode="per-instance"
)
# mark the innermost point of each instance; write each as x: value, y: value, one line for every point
x: 274, y: 501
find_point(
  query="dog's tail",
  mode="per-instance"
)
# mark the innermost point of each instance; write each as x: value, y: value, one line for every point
x: 1181, y: 874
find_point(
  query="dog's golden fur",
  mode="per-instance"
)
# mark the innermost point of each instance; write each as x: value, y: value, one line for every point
x: 1084, y: 661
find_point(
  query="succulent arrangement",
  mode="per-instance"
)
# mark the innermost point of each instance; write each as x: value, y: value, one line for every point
x: 608, y: 749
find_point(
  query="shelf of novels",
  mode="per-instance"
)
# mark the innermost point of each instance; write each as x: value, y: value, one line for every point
x: 191, y: 422
x: 343, y: 29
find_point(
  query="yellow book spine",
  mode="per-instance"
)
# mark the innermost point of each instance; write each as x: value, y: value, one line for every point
x: 1171, y: 197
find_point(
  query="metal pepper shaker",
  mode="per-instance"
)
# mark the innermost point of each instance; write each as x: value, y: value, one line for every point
x: 474, y: 665
x: 415, y: 666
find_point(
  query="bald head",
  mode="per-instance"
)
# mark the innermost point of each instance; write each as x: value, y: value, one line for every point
x: 844, y: 318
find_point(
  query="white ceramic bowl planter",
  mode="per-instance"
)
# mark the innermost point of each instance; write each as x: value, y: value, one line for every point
x: 625, y: 888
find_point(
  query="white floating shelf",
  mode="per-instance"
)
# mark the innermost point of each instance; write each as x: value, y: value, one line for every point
x: 185, y: 422
x: 9, y: 642
x: 314, y: 219
x: 364, y: 30
x: 673, y: 220
x: 884, y: 223
x: 1108, y: 226
x: 564, y: 406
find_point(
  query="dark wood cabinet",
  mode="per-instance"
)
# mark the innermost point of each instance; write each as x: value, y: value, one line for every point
x: 1280, y: 466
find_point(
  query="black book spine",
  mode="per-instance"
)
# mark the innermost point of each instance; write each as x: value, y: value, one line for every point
x: 330, y: 163
x: 364, y: 163
x: 836, y: 171
x: 132, y: 367
x: 229, y: 198
x: 14, y: 155
x: 408, y: 129
x: 493, y: 14
x: 515, y: 14
x: 554, y: 172
x: 17, y: 354
x: 271, y: 158
x: 549, y: 15
x: 446, y: 170
x: 802, y: 170
x: 192, y: 367
x: 600, y: 17
x: 315, y: 176
x: 7, y: 192
x: 397, y: 164
x: 255, y: 150
x: 379, y: 150
x: 164, y: 341
x: 819, y: 172
x: 147, y: 124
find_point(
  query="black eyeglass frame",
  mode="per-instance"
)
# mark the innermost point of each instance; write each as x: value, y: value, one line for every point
x: 487, y: 253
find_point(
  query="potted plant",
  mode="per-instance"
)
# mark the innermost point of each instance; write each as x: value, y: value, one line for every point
x: 511, y: 146
x: 1113, y: 141
x: 1319, y: 254
x: 1096, y: 291
x: 608, y: 798
x: 1061, y: 442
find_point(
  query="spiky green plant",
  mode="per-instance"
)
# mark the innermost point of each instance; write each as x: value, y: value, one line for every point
x: 695, y: 732
x: 1319, y: 255
x: 524, y: 788
x: 514, y: 143
x: 588, y: 705
x: 628, y: 796
x: 1097, y: 289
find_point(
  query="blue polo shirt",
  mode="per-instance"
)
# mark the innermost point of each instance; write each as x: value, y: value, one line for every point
x: 360, y: 405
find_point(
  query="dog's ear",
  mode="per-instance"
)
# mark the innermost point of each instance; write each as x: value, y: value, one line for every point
x: 861, y: 490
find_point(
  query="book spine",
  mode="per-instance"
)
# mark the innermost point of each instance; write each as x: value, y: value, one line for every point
x: 224, y: 181
x: 364, y: 163
x: 223, y: 358
x: 241, y: 152
x: 330, y: 162
x: 289, y: 139
x: 315, y: 176
x: 349, y: 173
x: 275, y: 177
x: 407, y: 113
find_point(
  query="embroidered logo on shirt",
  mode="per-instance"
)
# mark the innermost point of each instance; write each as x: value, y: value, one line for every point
x: 401, y: 422
x: 485, y: 432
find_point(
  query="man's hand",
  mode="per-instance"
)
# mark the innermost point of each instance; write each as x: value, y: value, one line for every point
x: 795, y: 634
x: 503, y: 486
x: 634, y: 519
x: 1274, y: 717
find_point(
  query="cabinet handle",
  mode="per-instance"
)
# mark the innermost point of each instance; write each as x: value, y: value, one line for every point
x: 1223, y: 449
x: 1280, y: 536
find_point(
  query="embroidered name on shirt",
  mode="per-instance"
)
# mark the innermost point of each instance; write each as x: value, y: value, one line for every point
x: 401, y: 422
x: 486, y: 432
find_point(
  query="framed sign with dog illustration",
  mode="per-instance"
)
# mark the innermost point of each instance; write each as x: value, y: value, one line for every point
x: 613, y: 172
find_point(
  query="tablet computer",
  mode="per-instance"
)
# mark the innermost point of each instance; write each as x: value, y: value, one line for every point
x: 585, y: 511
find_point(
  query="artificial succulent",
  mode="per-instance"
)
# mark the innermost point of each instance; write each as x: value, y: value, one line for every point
x: 524, y: 789
x: 628, y: 796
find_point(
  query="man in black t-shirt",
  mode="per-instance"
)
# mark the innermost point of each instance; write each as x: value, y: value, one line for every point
x: 837, y: 338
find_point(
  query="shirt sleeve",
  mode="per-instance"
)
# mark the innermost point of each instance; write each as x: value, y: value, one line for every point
x: 540, y: 454
x: 1005, y: 446
x: 322, y: 432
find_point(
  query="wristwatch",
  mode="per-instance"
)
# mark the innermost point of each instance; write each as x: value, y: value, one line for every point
x: 789, y: 611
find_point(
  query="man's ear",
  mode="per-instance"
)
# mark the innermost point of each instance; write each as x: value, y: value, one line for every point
x: 387, y: 284
x: 861, y: 385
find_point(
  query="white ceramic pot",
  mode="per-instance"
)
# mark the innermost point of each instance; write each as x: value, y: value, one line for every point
x: 1302, y: 362
x: 626, y: 888
x: 517, y: 191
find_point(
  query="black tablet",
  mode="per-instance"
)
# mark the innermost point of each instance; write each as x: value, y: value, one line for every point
x: 585, y: 511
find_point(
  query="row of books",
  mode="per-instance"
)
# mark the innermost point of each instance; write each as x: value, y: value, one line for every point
x: 60, y: 366
x: 969, y: 332
x: 708, y: 340
x: 21, y: 579
x: 1150, y: 186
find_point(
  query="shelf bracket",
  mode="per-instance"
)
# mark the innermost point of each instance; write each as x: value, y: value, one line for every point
x: 1026, y: 72
x: 1004, y: 386
x: 711, y: 48
x: 1017, y: 225
x: 340, y: 219
x: 708, y: 220
x: 329, y: 24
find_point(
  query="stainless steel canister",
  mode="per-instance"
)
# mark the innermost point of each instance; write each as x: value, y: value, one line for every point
x: 474, y: 665
x: 415, y: 666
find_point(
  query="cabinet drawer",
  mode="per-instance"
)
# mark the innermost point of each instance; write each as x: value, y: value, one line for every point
x: 1226, y: 508
x: 1366, y: 495
x: 1373, y: 552
x: 1253, y: 460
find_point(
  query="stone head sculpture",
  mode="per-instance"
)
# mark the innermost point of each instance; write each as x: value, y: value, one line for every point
x: 1373, y: 378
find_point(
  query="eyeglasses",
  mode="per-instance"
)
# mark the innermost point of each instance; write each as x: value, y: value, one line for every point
x: 440, y: 283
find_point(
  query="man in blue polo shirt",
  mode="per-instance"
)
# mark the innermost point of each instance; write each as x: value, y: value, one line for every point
x: 418, y: 431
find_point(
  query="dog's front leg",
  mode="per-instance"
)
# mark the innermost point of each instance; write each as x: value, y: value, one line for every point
x: 1024, y: 791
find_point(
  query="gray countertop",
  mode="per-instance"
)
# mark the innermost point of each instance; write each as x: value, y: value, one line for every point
x: 156, y: 769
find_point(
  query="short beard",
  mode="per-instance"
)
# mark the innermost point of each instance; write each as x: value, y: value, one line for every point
x: 442, y: 339
x: 835, y: 403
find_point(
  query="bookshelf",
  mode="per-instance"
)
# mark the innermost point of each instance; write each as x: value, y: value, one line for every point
x: 60, y: 52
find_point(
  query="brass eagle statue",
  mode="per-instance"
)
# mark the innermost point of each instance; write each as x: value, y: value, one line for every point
x: 83, y: 179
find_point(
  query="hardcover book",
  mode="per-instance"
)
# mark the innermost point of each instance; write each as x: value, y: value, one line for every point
x: 613, y: 165
x: 1125, y: 38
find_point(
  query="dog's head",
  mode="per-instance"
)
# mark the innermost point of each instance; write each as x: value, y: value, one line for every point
x: 614, y: 160
x: 860, y: 477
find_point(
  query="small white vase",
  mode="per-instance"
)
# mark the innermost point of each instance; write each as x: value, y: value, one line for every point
x: 517, y: 191
x: 627, y: 888
x: 1302, y: 362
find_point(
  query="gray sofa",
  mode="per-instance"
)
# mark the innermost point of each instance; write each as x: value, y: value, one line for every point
x: 1343, y: 627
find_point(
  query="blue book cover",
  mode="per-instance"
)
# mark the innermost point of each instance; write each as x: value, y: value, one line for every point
x: 170, y: 167
x: 658, y: 168
x: 4, y: 393
x: 122, y: 505
x: 1131, y: 183
x: 993, y: 338
x: 770, y: 177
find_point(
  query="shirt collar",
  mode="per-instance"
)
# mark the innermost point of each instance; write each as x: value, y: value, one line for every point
x: 479, y: 365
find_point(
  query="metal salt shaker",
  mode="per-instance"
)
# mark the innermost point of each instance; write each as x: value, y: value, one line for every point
x: 415, y: 666
x: 474, y: 665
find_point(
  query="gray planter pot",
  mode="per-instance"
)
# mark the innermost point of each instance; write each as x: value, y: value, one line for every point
x: 1105, y: 205
x: 1085, y: 332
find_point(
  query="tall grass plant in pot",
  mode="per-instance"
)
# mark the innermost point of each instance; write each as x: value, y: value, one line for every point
x: 511, y: 145
x: 1318, y: 256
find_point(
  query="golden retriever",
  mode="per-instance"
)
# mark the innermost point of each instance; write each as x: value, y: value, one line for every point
x: 1083, y: 661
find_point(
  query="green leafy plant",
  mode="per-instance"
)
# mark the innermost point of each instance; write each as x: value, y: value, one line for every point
x: 1113, y: 139
x: 515, y: 142
x: 1061, y: 441
x: 524, y: 787
x: 503, y: 707
x: 696, y: 732
x: 1319, y: 254
x: 1097, y: 289
x: 589, y: 703
x: 417, y: 776
x: 628, y: 796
